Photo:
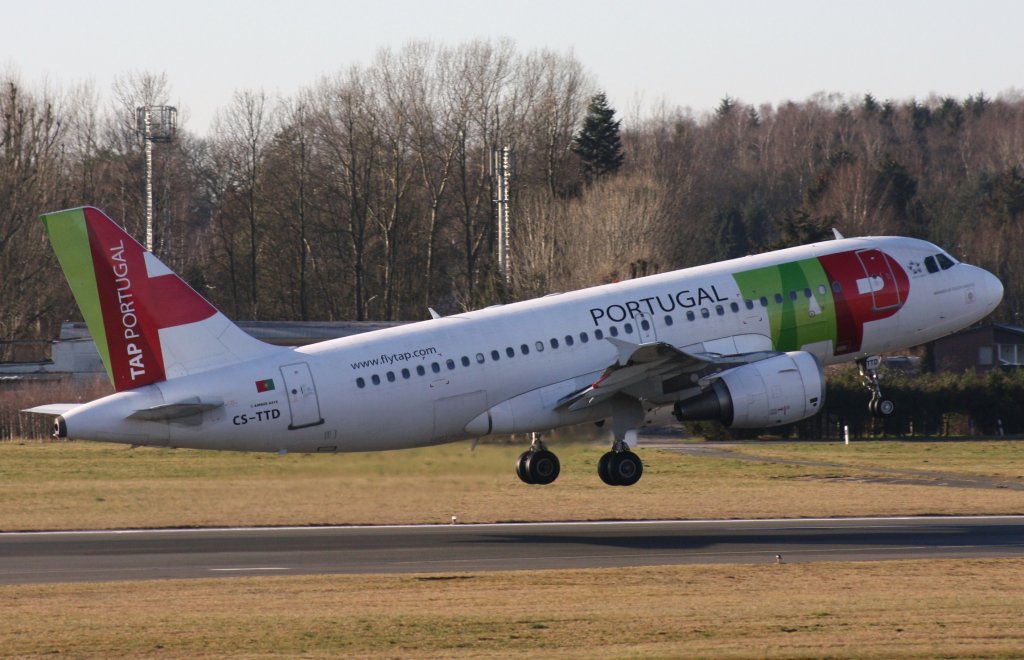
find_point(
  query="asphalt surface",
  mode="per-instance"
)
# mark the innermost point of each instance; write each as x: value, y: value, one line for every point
x: 42, y: 557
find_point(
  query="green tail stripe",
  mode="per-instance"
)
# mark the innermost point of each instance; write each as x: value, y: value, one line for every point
x: 69, y: 237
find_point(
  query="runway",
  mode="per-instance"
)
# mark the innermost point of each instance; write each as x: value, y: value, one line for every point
x: 42, y: 557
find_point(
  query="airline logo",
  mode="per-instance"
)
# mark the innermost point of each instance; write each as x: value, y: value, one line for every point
x: 828, y: 298
x: 125, y: 293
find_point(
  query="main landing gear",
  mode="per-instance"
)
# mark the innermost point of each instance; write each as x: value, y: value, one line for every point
x: 620, y: 466
x: 537, y: 465
x: 878, y: 406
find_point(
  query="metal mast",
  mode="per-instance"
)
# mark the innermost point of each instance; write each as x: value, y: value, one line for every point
x: 502, y: 168
x: 156, y: 123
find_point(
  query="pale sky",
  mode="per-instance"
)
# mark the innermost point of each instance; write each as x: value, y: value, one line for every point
x: 641, y: 52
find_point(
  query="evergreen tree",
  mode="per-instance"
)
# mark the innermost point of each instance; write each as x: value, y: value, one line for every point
x: 597, y: 144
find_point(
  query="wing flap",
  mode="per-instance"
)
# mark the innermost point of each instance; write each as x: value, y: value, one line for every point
x: 656, y: 361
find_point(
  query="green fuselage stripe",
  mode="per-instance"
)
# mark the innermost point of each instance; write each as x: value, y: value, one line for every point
x: 798, y: 320
x: 69, y: 237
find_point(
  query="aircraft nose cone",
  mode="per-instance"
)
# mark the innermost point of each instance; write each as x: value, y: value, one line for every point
x: 993, y: 291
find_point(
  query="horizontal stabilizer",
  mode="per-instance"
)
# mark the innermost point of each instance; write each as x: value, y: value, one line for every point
x: 183, y: 412
x: 52, y: 408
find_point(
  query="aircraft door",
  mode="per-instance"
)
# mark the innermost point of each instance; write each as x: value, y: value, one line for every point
x: 302, y: 399
x: 880, y: 281
x: 645, y: 326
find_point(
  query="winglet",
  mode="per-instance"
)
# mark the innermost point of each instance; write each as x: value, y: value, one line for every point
x: 625, y: 349
x: 835, y: 232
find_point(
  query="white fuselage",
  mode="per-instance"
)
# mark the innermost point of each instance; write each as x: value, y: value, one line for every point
x: 427, y: 382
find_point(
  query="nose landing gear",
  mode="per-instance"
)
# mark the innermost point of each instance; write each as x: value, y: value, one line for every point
x: 879, y: 406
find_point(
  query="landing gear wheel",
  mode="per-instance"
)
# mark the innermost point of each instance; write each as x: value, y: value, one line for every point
x: 885, y: 408
x: 521, y: 471
x: 541, y: 466
x: 603, y: 470
x: 625, y: 468
x: 620, y: 468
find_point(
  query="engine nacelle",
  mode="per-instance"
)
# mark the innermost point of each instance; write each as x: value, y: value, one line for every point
x: 780, y: 390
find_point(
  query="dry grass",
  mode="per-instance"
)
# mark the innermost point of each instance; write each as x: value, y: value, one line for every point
x: 998, y: 459
x: 885, y: 609
x: 101, y: 486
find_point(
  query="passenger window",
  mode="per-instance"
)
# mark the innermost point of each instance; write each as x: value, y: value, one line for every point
x: 509, y: 351
x: 690, y: 315
x: 764, y: 301
x: 792, y: 295
x: 778, y: 298
x: 465, y: 361
x: 628, y: 327
x: 645, y: 325
x: 807, y: 293
x: 554, y: 343
x: 420, y: 370
x: 749, y: 304
x: 360, y: 383
x: 435, y: 367
x: 450, y: 364
x: 524, y: 349
x: 568, y: 340
x: 495, y: 355
x: 375, y: 379
x: 719, y: 310
x: 480, y: 358
x: 837, y: 287
x: 584, y: 338
x: 539, y: 346
x: 391, y: 376
x: 598, y: 334
x: 944, y: 261
x: 668, y: 320
x: 406, y: 374
x: 705, y: 313
x: 734, y: 307
x: 613, y: 331
x: 822, y: 290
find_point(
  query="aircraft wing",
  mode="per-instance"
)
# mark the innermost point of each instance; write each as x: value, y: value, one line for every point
x: 656, y: 362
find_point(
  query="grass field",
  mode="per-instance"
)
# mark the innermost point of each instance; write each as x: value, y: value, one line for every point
x: 907, y: 609
x: 103, y: 486
x: 861, y: 610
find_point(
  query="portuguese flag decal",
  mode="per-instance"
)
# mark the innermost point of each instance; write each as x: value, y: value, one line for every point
x: 265, y: 385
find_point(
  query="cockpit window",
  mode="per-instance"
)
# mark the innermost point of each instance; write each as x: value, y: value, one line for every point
x: 945, y: 261
x: 931, y: 265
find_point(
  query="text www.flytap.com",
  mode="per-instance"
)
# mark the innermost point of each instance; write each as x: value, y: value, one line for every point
x: 391, y: 358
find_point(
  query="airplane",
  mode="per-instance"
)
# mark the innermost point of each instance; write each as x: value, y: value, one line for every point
x: 742, y: 341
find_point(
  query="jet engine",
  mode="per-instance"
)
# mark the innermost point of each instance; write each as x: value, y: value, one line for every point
x: 779, y: 390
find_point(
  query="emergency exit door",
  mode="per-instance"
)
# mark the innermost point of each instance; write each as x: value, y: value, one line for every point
x: 302, y: 399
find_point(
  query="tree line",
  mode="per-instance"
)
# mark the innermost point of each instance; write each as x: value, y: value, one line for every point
x: 369, y: 195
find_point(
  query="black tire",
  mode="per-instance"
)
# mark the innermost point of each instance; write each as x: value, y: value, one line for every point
x: 521, y: 471
x: 873, y: 406
x: 542, y: 467
x: 625, y: 468
x: 603, y: 470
